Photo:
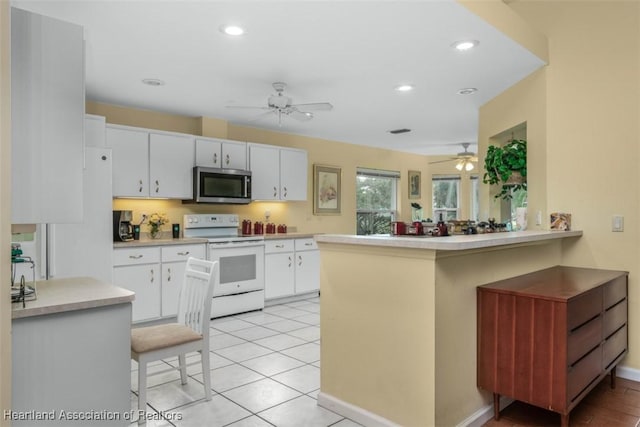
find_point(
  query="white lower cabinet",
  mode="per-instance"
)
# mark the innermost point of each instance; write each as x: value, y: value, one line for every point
x: 292, y: 267
x: 155, y: 275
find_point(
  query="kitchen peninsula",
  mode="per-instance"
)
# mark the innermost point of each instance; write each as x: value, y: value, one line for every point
x: 399, y: 321
x: 74, y: 338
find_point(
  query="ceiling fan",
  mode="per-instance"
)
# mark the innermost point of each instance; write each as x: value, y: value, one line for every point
x: 464, y: 160
x: 281, y: 105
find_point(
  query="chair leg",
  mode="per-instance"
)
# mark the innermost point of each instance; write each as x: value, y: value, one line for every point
x: 142, y: 392
x: 182, y: 362
x: 206, y: 374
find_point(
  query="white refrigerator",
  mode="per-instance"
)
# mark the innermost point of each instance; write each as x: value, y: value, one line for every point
x: 84, y: 249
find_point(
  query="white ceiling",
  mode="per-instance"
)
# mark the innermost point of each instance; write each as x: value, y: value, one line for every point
x: 349, y: 53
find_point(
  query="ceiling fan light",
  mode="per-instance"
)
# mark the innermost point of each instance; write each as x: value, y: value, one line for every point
x: 469, y: 166
x: 459, y: 165
x: 464, y: 45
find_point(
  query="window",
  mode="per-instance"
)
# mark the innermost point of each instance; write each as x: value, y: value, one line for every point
x: 376, y: 200
x: 446, y: 190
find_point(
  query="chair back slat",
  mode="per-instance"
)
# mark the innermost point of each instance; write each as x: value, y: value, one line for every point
x: 196, y: 293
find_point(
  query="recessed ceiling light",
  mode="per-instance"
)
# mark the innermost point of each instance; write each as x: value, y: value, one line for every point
x: 153, y: 82
x: 232, y: 30
x: 405, y: 88
x: 467, y: 91
x: 464, y: 45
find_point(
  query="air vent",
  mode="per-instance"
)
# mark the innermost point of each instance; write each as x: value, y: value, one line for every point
x: 397, y: 131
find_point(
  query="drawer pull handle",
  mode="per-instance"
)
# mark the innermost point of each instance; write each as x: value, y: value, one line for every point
x: 157, y: 186
x: 140, y: 188
x: 227, y: 159
x: 169, y: 275
x: 299, y: 260
x: 135, y: 256
x: 151, y: 275
x: 289, y: 261
x: 308, y: 244
x: 215, y: 158
x: 279, y: 246
x: 183, y: 253
x: 275, y: 191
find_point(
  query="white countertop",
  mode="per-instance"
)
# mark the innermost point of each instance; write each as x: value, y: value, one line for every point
x: 449, y: 243
x: 76, y: 293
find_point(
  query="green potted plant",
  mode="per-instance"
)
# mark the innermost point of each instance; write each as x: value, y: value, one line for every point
x: 507, y: 166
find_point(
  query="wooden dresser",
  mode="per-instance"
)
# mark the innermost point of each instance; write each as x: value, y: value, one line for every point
x: 547, y: 338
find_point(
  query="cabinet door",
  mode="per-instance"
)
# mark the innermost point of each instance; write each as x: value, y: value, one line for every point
x: 279, y: 275
x: 130, y: 150
x: 293, y: 174
x: 208, y: 153
x: 171, y: 161
x: 172, y: 277
x: 94, y: 131
x: 144, y: 280
x: 234, y: 155
x: 47, y: 119
x: 264, y: 163
x: 307, y: 271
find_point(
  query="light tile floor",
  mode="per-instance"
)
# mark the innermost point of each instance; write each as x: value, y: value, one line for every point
x: 265, y: 371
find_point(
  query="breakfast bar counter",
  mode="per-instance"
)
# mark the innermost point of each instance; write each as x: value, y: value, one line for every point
x: 399, y: 321
x: 74, y: 337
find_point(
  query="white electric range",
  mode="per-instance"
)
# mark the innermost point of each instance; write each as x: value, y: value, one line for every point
x: 241, y: 258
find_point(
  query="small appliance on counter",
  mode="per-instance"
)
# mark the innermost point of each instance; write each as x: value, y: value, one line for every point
x: 122, y: 227
x: 21, y: 290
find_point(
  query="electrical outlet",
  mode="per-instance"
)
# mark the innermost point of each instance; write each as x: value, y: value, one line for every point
x: 539, y: 218
x: 617, y: 223
x: 267, y: 214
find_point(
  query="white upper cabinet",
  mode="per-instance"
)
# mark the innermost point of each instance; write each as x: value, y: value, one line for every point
x: 130, y: 161
x: 47, y: 119
x: 171, y: 160
x: 221, y: 153
x: 151, y: 164
x: 94, y: 131
x: 264, y: 163
x: 293, y: 174
x: 278, y: 173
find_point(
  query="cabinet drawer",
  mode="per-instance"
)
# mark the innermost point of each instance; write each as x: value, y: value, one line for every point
x: 134, y: 256
x: 583, y: 372
x: 615, y: 317
x: 182, y: 252
x: 614, y: 347
x: 584, y: 307
x: 584, y: 339
x: 614, y: 291
x: 307, y: 244
x: 276, y: 246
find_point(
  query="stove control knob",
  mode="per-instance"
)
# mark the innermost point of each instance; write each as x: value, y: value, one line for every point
x: 195, y: 220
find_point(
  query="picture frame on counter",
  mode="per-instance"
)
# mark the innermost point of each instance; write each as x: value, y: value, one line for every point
x: 414, y: 184
x: 327, y: 190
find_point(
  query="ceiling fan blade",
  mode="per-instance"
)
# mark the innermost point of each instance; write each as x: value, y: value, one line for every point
x: 314, y: 106
x: 247, y: 107
x: 474, y: 158
x: 299, y: 115
x: 261, y: 116
x: 441, y: 161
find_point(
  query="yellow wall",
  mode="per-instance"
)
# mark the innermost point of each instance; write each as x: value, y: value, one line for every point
x: 297, y: 215
x: 5, y: 209
x: 583, y: 125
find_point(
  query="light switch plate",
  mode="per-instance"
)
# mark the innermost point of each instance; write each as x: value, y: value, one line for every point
x: 617, y: 223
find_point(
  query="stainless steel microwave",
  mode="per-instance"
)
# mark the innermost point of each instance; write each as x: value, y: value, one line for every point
x: 212, y: 185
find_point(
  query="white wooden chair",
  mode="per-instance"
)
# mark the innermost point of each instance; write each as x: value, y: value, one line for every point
x: 190, y: 332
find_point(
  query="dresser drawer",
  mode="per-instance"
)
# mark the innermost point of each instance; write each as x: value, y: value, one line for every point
x: 132, y: 256
x: 615, y: 291
x: 277, y: 246
x: 614, y: 347
x: 584, y: 307
x: 584, y: 372
x: 584, y: 339
x: 307, y: 244
x: 615, y: 317
x: 182, y: 252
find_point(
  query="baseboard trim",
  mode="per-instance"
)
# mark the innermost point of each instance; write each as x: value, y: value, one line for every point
x: 484, y: 414
x: 354, y: 413
x: 628, y: 373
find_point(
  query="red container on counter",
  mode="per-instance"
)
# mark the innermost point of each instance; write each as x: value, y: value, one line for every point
x: 246, y: 226
x: 417, y: 225
x: 398, y: 228
x: 282, y: 229
x: 258, y: 228
x: 271, y: 228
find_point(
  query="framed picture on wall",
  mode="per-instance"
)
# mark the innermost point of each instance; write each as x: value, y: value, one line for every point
x: 414, y: 184
x: 326, y: 190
